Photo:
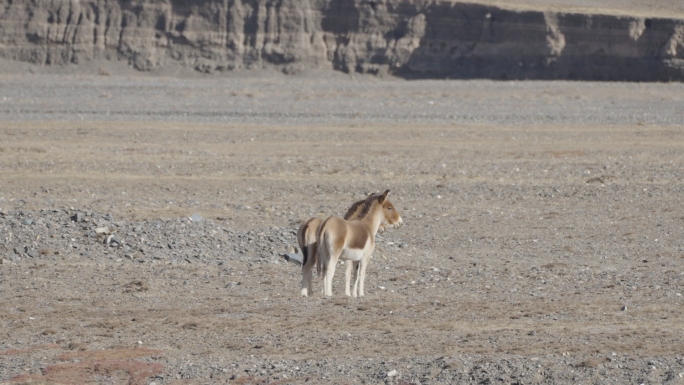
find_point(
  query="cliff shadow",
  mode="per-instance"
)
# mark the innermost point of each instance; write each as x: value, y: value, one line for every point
x: 471, y: 41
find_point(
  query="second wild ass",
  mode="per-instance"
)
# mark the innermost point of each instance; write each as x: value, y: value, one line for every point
x: 338, y: 238
x: 306, y: 238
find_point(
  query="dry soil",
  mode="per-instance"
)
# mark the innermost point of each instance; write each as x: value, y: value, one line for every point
x: 542, y: 241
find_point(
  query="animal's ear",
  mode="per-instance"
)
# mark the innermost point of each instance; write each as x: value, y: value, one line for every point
x: 382, y: 197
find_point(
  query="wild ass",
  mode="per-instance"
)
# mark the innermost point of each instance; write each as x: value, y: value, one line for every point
x: 338, y: 238
x: 306, y: 237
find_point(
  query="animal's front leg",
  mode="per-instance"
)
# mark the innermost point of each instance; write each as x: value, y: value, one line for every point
x: 347, y: 277
x: 362, y: 274
x: 356, y: 279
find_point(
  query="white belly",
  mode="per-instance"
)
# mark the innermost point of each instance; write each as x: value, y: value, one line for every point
x: 352, y: 254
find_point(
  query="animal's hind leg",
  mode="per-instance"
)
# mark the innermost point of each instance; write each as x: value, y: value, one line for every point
x: 307, y: 268
x: 327, y: 261
x: 323, y: 269
x: 307, y: 275
x: 306, y: 278
x: 324, y: 272
x: 307, y: 271
x: 329, y: 274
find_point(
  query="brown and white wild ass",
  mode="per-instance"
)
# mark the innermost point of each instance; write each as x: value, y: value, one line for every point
x: 306, y: 238
x: 338, y: 238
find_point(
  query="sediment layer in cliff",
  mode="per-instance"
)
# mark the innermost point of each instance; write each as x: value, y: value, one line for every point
x: 416, y: 38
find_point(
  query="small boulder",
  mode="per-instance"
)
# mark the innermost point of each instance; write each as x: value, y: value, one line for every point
x: 297, y: 259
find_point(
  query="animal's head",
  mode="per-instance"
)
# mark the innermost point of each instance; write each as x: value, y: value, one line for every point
x: 391, y: 217
x: 361, y: 208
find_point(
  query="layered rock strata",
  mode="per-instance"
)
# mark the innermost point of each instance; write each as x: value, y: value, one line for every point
x: 408, y: 38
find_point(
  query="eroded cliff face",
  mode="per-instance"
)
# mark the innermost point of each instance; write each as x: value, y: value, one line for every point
x: 410, y: 38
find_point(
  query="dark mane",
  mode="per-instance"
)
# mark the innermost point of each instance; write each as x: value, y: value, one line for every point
x: 359, y: 209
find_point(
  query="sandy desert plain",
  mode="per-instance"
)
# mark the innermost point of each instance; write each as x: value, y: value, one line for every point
x: 543, y: 236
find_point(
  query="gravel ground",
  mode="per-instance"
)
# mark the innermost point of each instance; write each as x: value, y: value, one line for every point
x: 335, y: 99
x: 542, y: 241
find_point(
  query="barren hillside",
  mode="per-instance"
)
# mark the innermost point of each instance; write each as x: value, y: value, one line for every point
x: 575, y: 39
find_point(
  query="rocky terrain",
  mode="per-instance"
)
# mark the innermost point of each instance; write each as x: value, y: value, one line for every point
x: 532, y: 39
x: 143, y: 222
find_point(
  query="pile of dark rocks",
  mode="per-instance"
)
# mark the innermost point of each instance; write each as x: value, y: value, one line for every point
x: 42, y: 234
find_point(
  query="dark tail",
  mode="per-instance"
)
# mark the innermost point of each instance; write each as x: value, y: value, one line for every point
x: 301, y: 239
x: 320, y: 242
x: 305, y: 253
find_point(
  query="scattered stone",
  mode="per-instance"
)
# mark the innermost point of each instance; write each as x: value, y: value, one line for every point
x: 531, y: 333
x: 102, y: 230
x: 135, y: 286
x: 196, y: 218
x: 33, y: 253
x: 597, y: 179
x: 297, y: 259
x: 624, y: 308
x: 27, y: 221
x: 392, y: 373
